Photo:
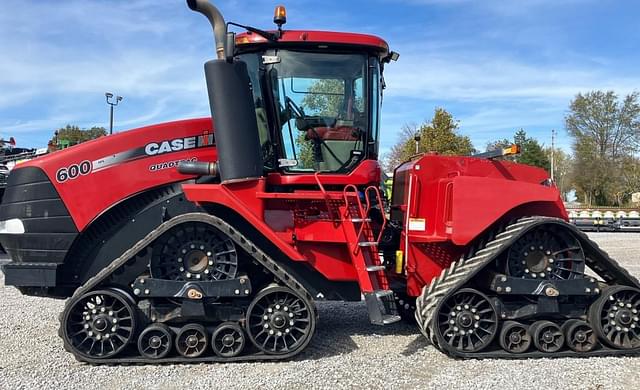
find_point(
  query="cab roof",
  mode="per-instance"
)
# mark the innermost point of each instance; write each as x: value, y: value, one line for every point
x: 329, y: 38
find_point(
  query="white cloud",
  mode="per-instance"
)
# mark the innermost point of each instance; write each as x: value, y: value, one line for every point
x: 59, y: 57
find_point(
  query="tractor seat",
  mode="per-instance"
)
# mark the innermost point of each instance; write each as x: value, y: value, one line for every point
x: 340, y: 133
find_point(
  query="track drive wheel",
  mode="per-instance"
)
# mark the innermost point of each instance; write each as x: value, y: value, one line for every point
x: 194, y: 251
x: 579, y: 335
x: 546, y: 253
x: 515, y: 337
x: 466, y: 322
x: 99, y: 324
x: 547, y: 336
x: 228, y: 340
x: 615, y: 318
x: 280, y: 322
x: 155, y: 342
x: 192, y: 340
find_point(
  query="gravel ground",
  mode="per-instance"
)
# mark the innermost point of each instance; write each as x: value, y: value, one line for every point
x: 346, y: 352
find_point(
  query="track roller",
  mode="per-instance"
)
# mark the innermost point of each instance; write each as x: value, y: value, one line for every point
x: 192, y: 340
x: 279, y: 321
x: 547, y: 336
x: 615, y: 317
x: 466, y: 322
x: 579, y: 336
x: 228, y: 340
x: 99, y: 324
x: 515, y: 337
x: 155, y: 342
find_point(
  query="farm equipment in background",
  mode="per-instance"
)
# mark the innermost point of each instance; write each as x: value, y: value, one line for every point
x: 278, y: 205
x: 10, y: 156
x: 605, y: 220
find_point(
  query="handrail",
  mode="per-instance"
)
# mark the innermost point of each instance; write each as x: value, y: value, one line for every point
x: 380, y: 205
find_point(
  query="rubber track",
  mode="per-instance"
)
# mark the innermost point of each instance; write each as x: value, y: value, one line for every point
x: 460, y: 272
x: 265, y: 260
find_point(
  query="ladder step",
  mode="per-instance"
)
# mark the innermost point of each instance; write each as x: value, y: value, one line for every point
x: 390, y: 319
x: 360, y: 220
x: 376, y: 268
x: 383, y: 293
x: 381, y: 307
x: 367, y: 243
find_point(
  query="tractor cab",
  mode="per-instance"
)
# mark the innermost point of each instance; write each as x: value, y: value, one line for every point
x: 317, y: 97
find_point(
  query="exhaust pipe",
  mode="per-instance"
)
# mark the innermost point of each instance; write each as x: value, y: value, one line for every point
x: 218, y: 24
x: 198, y: 168
x: 232, y: 109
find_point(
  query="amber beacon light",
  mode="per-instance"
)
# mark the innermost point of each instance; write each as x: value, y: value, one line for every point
x: 280, y: 16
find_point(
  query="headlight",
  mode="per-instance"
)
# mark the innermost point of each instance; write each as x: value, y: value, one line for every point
x: 12, y: 226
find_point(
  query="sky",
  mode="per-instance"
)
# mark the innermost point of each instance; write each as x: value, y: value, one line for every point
x: 496, y: 65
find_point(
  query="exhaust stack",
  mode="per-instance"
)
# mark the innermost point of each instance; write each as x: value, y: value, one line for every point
x: 232, y: 107
x: 218, y: 24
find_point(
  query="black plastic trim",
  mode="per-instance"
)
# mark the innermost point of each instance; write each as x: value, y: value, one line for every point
x: 49, y: 229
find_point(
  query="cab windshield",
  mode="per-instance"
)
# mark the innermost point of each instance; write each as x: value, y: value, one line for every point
x: 315, y: 105
x: 321, y: 107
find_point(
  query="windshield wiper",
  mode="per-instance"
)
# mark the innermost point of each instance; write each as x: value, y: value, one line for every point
x: 265, y: 34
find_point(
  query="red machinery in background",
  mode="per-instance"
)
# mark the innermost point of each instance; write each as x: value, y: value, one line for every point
x: 278, y: 205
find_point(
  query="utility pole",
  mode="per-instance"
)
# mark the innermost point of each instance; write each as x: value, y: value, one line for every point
x: 112, y: 103
x: 553, y: 153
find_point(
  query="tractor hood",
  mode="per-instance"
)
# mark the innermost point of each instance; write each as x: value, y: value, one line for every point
x: 93, y: 176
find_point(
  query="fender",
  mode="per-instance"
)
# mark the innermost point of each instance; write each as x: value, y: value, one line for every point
x: 477, y: 202
x: 120, y: 228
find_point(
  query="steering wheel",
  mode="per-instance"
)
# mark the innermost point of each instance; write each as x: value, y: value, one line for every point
x: 295, y: 109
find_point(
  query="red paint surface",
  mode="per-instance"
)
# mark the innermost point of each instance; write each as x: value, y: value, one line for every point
x: 462, y: 197
x: 319, y: 37
x: 90, y: 195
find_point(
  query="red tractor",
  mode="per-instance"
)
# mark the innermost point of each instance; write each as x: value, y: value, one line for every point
x: 188, y: 242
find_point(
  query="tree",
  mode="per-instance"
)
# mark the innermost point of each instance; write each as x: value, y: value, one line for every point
x: 75, y: 135
x: 439, y: 135
x: 606, y: 137
x: 324, y: 98
x: 532, y: 152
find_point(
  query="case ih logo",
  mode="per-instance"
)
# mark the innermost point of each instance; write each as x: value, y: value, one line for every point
x: 178, y: 144
x: 74, y: 171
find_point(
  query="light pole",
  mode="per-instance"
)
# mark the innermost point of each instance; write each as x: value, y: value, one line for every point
x: 112, y: 103
x: 553, y: 154
x: 417, y: 139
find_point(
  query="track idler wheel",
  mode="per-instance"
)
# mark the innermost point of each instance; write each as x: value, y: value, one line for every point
x: 99, y: 324
x: 155, y: 342
x: 192, y: 340
x: 615, y: 318
x: 515, y: 337
x: 579, y: 336
x: 228, y: 340
x: 467, y: 321
x: 547, y: 336
x: 279, y: 321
